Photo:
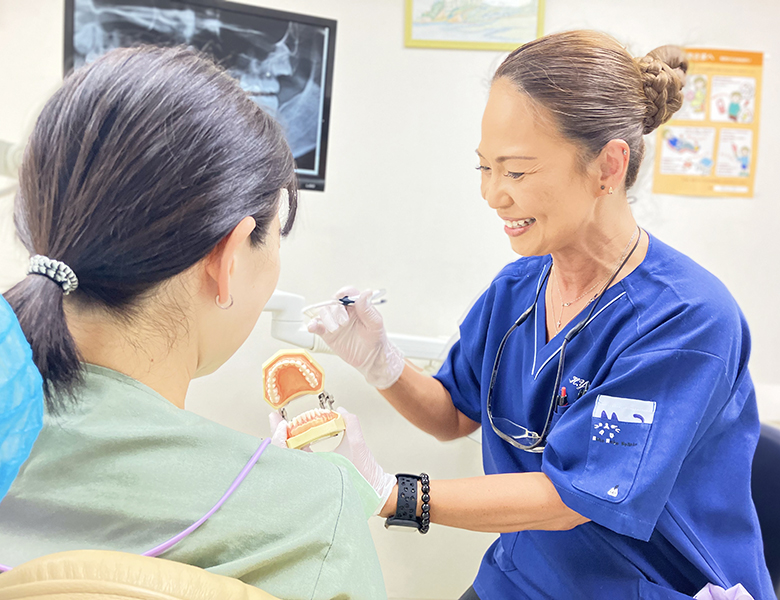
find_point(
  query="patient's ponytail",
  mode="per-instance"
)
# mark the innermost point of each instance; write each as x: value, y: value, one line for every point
x: 37, y: 302
x: 136, y: 169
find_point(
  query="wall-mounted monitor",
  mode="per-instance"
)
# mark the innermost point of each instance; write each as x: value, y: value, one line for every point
x: 283, y: 60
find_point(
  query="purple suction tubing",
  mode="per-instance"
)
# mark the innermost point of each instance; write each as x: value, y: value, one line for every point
x: 157, y: 550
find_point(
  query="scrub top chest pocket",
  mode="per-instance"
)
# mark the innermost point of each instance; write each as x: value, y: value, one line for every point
x: 618, y: 436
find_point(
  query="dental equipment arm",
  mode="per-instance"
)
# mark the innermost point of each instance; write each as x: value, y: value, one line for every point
x: 10, y: 159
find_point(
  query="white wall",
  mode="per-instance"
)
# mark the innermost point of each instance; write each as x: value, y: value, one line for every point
x: 402, y: 211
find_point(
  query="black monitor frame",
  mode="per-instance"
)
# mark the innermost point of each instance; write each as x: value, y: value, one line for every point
x: 309, y: 179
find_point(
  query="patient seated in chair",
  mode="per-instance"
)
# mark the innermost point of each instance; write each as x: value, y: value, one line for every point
x: 149, y: 203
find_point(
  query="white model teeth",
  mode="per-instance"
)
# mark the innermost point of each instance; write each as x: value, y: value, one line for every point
x: 306, y: 417
x: 271, y: 387
x: 518, y: 224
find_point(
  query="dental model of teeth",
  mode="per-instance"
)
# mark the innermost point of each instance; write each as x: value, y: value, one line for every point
x: 290, y: 374
x: 313, y: 425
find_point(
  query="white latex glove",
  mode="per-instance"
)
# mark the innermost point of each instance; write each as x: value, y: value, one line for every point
x: 279, y: 431
x: 353, y: 448
x: 715, y: 592
x: 357, y: 334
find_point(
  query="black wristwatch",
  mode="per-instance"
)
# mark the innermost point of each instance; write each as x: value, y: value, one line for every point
x: 406, y: 505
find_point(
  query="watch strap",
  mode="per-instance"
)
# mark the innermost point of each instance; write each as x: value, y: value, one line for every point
x: 406, y: 505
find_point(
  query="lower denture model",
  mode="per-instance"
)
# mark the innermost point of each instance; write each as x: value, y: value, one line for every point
x: 289, y: 374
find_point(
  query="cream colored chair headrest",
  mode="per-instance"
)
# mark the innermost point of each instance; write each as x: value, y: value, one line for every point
x: 93, y: 574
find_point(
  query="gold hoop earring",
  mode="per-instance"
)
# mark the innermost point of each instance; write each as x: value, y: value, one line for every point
x: 224, y: 306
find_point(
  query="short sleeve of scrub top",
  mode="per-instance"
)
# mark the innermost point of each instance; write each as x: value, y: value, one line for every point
x: 641, y: 423
x: 460, y: 373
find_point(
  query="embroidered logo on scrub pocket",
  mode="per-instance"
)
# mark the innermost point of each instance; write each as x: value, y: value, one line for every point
x: 618, y: 434
x: 609, y: 412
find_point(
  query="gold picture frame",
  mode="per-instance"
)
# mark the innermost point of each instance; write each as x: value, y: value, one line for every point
x: 472, y: 24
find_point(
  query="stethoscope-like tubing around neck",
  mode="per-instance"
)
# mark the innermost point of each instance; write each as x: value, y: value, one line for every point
x: 537, y: 446
x: 520, y: 320
x: 157, y: 550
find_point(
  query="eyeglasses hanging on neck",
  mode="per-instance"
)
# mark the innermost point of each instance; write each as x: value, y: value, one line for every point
x: 526, y: 439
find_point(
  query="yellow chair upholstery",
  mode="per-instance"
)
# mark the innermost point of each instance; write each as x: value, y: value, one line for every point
x: 104, y: 575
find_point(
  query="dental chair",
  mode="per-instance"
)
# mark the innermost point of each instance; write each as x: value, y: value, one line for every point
x: 100, y: 574
x: 766, y: 495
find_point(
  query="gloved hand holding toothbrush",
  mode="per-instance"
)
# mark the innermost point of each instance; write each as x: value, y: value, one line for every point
x: 356, y: 333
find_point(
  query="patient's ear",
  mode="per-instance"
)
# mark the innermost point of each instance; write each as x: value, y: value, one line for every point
x: 221, y: 262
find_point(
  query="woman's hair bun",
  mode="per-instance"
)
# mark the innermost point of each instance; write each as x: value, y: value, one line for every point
x: 663, y: 76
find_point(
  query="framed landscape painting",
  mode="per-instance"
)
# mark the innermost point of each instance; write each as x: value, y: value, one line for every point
x: 473, y: 24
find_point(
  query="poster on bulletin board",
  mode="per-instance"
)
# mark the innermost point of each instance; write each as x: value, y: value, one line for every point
x: 709, y: 147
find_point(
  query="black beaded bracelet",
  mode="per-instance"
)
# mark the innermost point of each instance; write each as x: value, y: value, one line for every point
x: 425, y: 514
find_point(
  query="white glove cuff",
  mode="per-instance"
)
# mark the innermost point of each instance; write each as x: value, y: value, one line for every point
x: 383, y: 490
x: 387, y: 372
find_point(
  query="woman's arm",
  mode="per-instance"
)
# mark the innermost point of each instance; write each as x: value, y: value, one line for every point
x: 427, y: 404
x: 496, y: 503
x: 357, y: 334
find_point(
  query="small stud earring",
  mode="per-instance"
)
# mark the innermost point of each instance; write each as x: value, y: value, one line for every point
x: 224, y: 306
x: 602, y: 187
x: 609, y: 192
x: 625, y: 152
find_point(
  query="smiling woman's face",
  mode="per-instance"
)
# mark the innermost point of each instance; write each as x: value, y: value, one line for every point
x: 531, y: 176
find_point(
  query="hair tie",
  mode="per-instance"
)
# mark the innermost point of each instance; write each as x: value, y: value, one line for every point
x: 56, y: 270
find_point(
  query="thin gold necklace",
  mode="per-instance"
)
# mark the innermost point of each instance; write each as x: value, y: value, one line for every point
x: 559, y: 318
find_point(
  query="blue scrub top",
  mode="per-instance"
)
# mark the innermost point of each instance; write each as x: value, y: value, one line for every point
x: 656, y: 453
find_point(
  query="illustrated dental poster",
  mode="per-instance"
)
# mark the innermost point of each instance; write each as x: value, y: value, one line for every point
x: 709, y: 147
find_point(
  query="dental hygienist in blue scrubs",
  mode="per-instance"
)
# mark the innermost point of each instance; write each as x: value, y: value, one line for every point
x: 634, y: 482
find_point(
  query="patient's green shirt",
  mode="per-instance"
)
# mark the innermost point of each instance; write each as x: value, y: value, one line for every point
x: 126, y: 470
